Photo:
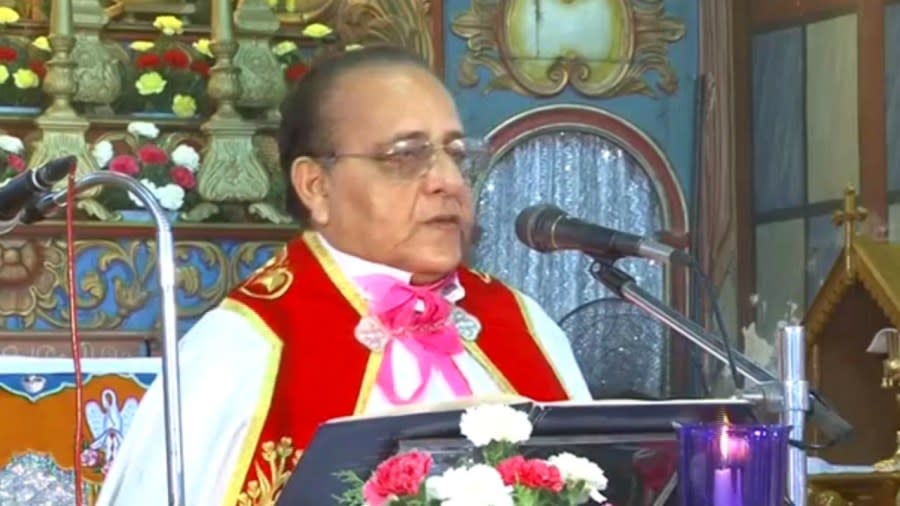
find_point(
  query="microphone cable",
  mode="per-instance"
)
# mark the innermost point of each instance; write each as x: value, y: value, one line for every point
x: 711, y: 294
x: 76, y: 338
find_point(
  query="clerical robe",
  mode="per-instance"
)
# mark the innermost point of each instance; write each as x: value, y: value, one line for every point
x: 278, y: 357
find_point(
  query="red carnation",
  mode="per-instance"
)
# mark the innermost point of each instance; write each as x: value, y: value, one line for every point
x: 397, y: 477
x: 147, y: 61
x: 177, y: 59
x: 183, y: 177
x: 152, y: 155
x: 296, y: 71
x: 16, y: 162
x: 38, y: 68
x: 8, y: 54
x: 533, y: 473
x: 124, y: 164
x: 201, y: 68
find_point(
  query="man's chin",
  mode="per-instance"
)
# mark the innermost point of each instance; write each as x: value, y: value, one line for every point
x: 431, y: 266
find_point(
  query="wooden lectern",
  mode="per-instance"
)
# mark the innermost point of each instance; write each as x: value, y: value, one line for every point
x: 633, y: 441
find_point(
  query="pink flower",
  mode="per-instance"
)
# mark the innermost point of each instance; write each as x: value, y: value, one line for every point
x: 16, y: 162
x: 90, y: 457
x: 532, y: 473
x: 152, y: 155
x: 399, y: 476
x: 124, y: 164
x: 183, y: 177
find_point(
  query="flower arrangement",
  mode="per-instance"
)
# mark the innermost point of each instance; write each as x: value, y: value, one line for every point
x: 167, y: 76
x: 12, y: 157
x: 294, y: 61
x: 170, y: 176
x: 502, y: 477
x: 22, y: 65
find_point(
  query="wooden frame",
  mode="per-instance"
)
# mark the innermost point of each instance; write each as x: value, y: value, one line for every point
x: 756, y: 16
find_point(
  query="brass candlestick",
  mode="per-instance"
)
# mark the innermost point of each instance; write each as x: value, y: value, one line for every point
x: 890, y: 379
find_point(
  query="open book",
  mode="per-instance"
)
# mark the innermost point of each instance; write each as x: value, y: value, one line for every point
x: 358, y: 444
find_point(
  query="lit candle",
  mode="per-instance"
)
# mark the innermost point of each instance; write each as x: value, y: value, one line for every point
x: 727, y: 489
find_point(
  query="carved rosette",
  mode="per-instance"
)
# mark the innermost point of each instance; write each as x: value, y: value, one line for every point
x: 608, y: 49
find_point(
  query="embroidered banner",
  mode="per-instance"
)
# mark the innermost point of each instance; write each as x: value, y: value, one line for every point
x: 37, y: 399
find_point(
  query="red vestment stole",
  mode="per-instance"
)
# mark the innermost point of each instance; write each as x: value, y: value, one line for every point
x: 307, y: 310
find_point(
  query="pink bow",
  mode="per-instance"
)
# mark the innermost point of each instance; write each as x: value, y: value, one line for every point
x: 420, y: 317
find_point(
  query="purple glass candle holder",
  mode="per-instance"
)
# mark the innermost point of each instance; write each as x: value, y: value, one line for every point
x: 732, y: 465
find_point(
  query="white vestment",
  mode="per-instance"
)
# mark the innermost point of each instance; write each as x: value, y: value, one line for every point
x: 221, y: 363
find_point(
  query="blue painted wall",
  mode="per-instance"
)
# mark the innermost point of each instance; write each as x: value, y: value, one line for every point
x: 667, y: 119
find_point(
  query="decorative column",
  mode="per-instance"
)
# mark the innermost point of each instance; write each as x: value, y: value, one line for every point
x: 97, y: 76
x: 62, y: 129
x: 230, y: 172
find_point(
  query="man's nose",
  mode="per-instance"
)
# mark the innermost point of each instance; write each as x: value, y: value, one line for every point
x: 445, y: 175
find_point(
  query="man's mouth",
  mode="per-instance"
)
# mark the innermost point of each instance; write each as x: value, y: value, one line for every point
x: 446, y: 220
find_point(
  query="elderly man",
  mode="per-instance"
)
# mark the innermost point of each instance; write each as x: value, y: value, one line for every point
x: 369, y: 309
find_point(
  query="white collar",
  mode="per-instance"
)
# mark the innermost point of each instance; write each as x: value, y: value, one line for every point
x: 354, y: 267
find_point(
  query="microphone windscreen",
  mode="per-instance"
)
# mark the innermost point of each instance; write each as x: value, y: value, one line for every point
x: 55, y: 170
x: 534, y: 226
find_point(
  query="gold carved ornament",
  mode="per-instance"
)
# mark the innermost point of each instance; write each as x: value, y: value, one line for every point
x: 33, y: 275
x: 279, y: 461
x: 607, y: 50
x: 406, y: 23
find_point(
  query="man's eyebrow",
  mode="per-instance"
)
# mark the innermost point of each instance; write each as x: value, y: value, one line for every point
x: 453, y: 135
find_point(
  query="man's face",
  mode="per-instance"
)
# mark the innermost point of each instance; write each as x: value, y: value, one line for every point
x: 377, y: 208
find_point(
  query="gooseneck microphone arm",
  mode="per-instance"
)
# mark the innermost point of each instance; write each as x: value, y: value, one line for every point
x: 766, y: 390
x: 166, y: 262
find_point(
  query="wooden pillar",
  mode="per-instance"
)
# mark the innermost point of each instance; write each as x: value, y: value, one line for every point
x: 743, y: 171
x: 872, y: 109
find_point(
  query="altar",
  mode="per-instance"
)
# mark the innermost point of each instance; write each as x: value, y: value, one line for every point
x: 37, y: 399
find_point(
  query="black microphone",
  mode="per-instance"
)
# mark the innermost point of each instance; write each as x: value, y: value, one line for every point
x: 548, y: 228
x: 22, y: 189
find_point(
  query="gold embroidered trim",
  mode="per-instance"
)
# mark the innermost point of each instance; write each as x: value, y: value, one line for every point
x: 271, y: 281
x: 278, y: 462
x: 261, y: 412
x: 534, y: 337
x: 359, y: 304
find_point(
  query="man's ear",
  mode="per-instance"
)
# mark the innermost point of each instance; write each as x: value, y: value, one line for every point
x: 310, y: 181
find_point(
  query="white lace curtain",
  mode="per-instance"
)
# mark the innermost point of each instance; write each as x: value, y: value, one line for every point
x: 584, y: 174
x: 591, y: 178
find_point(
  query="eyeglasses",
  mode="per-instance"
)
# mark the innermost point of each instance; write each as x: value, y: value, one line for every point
x: 409, y: 159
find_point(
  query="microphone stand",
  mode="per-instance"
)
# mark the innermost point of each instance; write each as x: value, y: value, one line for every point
x: 166, y: 262
x: 788, y: 396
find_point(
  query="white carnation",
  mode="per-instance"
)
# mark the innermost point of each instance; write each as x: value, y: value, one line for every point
x: 495, y: 422
x: 581, y: 471
x: 150, y: 185
x: 143, y: 129
x: 103, y: 153
x: 170, y: 196
x: 11, y: 144
x: 479, y: 485
x: 187, y: 157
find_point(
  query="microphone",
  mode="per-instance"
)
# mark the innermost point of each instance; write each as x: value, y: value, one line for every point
x: 548, y: 228
x: 22, y: 189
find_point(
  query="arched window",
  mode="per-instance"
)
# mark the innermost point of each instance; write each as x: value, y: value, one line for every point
x: 593, y: 165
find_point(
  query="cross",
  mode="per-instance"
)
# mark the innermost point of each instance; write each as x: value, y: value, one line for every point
x: 847, y: 217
